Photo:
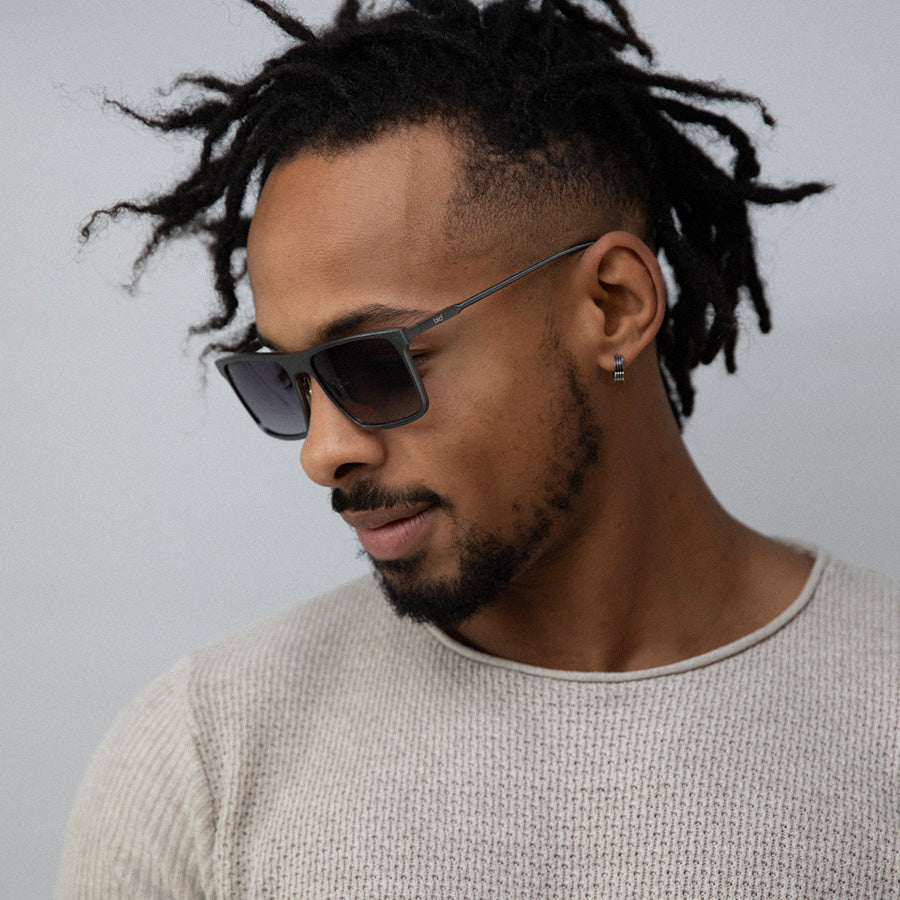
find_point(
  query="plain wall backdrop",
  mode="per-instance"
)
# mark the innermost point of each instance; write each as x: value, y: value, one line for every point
x: 144, y: 515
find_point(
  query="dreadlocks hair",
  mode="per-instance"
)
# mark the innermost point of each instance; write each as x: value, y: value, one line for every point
x: 527, y: 80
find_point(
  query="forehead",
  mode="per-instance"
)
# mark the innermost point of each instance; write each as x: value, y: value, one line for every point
x: 335, y: 232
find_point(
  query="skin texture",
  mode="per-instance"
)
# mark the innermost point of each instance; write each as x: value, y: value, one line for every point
x: 638, y: 567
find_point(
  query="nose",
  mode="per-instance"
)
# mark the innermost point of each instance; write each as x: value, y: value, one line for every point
x: 335, y: 445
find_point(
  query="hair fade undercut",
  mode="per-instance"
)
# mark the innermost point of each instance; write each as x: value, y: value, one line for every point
x: 526, y: 80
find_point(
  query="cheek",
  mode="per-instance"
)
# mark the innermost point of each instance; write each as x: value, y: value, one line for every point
x: 491, y: 423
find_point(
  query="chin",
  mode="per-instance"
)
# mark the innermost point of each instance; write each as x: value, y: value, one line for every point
x: 485, y: 569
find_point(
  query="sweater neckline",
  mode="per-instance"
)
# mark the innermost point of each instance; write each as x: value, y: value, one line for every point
x: 820, y: 559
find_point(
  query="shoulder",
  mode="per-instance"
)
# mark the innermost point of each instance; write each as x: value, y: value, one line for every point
x: 858, y: 609
x: 304, y: 665
x: 142, y: 815
x: 295, y: 665
x: 148, y: 806
x: 845, y: 650
x: 295, y: 651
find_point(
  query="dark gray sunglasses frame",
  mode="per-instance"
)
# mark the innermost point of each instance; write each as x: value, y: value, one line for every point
x: 301, y: 363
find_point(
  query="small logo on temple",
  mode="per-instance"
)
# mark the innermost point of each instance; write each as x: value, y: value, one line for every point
x: 437, y: 318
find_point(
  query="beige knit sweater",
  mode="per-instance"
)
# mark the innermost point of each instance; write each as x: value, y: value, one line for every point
x: 337, y: 751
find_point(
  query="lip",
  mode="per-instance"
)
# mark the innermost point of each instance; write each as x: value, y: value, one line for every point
x: 387, y: 534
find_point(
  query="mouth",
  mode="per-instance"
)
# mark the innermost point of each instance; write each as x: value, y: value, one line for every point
x: 392, y: 533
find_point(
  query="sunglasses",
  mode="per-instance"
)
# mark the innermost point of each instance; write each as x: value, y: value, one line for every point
x: 371, y: 377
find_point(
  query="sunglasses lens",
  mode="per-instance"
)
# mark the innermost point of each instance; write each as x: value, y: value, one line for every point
x: 370, y: 379
x: 271, y: 397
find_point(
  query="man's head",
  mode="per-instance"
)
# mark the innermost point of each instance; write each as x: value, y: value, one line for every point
x: 563, y: 134
x: 503, y: 470
x: 401, y: 162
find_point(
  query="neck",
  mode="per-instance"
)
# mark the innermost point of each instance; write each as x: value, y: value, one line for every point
x: 658, y: 574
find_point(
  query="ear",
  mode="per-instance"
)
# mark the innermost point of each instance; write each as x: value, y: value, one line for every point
x: 623, y: 296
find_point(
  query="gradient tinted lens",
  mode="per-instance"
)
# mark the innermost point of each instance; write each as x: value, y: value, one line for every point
x: 369, y: 378
x: 270, y: 396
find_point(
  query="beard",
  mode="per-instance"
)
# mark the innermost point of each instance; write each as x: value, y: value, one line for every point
x: 488, y: 564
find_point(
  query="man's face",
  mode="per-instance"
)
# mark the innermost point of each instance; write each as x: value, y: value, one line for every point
x: 456, y: 506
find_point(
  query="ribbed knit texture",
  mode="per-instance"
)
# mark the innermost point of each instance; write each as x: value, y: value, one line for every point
x: 337, y: 751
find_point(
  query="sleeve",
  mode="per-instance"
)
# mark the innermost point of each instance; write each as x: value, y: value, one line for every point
x: 143, y: 822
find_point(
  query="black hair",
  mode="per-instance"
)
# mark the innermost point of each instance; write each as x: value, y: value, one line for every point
x: 571, y: 86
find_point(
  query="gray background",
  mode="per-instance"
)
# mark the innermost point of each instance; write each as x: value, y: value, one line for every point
x: 145, y: 516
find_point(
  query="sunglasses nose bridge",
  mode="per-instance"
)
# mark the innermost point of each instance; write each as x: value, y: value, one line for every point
x: 301, y: 375
x: 303, y: 383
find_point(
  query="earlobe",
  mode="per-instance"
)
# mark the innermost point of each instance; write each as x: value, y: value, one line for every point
x: 621, y: 277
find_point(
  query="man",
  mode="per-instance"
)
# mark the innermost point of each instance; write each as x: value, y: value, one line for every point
x: 596, y: 682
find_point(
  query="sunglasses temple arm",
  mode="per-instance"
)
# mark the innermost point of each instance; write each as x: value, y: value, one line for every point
x: 456, y: 308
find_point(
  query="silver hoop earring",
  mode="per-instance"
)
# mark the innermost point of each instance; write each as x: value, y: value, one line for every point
x: 618, y: 369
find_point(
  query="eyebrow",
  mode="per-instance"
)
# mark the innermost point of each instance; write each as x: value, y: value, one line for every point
x: 373, y: 317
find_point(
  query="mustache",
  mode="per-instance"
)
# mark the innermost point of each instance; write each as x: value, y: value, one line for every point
x: 367, y: 494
